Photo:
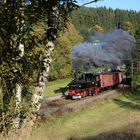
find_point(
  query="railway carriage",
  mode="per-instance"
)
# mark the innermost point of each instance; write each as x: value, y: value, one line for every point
x: 90, y: 84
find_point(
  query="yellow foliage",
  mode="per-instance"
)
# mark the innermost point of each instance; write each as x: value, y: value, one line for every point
x: 71, y: 33
x: 127, y: 26
x: 61, y: 65
x: 97, y: 28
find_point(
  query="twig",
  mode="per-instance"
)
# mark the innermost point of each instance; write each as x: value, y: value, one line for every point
x: 90, y: 2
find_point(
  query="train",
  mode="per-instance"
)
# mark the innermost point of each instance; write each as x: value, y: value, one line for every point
x: 90, y: 84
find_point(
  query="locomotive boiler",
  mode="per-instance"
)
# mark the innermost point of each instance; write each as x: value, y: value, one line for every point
x: 90, y: 84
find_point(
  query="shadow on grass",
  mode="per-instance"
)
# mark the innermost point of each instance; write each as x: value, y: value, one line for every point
x: 112, y: 136
x: 130, y: 132
x: 135, y: 95
x: 127, y: 105
x: 61, y: 90
x: 133, y: 101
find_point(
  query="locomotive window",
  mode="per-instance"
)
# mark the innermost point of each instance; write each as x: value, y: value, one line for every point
x: 89, y: 77
x: 72, y: 86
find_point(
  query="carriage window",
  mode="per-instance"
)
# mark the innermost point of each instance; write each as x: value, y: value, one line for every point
x: 97, y: 78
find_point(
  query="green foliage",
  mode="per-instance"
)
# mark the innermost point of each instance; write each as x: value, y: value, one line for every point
x: 85, y: 18
x: 137, y: 37
x: 137, y: 82
x: 14, y: 67
x: 80, y: 71
x: 136, y: 60
x: 25, y: 25
x: 61, y: 65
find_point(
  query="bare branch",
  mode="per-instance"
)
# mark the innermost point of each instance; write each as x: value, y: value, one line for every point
x: 90, y: 2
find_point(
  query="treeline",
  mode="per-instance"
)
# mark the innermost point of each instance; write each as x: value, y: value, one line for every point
x: 136, y: 61
x: 85, y: 19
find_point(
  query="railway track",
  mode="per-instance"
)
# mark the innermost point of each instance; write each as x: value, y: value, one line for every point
x: 61, y: 106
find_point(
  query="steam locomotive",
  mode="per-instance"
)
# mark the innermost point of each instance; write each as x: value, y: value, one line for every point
x: 90, y: 84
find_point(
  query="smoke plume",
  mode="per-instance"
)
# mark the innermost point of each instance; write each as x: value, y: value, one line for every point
x: 111, y: 49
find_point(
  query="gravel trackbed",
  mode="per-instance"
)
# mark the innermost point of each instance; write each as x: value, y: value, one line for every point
x: 61, y: 106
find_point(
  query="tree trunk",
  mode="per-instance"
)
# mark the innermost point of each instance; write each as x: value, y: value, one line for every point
x: 20, y: 21
x: 40, y: 85
x: 53, y: 19
x: 37, y: 98
x: 16, y: 120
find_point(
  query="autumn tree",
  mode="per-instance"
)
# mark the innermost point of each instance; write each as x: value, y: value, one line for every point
x: 127, y: 26
x: 97, y: 28
x: 68, y: 37
x: 25, y: 58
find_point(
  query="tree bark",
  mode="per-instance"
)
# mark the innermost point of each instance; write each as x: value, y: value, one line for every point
x: 16, y: 120
x: 18, y: 87
x: 41, y: 83
x: 37, y: 98
x: 53, y: 19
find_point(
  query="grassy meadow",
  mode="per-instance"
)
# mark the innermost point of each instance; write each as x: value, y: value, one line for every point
x: 57, y: 87
x: 118, y: 119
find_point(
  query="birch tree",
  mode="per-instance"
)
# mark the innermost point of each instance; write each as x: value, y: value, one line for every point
x: 19, y: 62
x: 15, y: 52
x: 12, y: 36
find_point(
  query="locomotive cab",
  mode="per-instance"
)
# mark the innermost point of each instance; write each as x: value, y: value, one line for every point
x: 87, y: 77
x: 81, y: 87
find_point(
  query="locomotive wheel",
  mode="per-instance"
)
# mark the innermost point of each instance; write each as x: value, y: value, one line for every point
x: 92, y: 94
x: 86, y: 93
x: 82, y: 94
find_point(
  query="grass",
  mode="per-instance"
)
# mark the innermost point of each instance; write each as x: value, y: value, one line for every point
x: 57, y: 87
x: 118, y: 120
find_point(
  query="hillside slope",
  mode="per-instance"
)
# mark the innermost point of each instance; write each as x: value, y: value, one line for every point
x: 117, y: 119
